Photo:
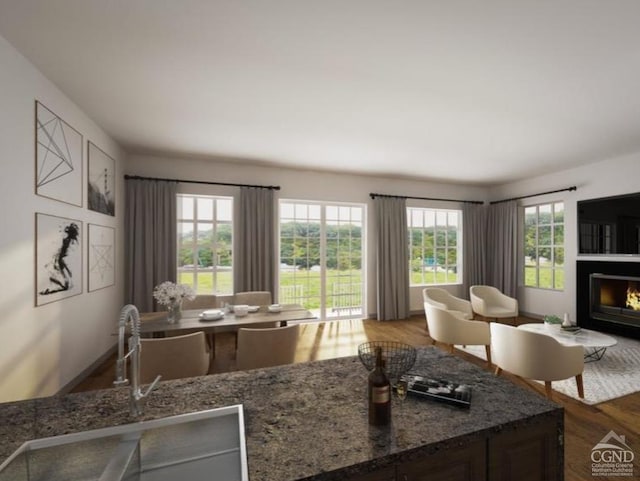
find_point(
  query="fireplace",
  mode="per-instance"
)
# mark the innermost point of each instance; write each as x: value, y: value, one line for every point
x: 615, y: 299
x: 608, y: 296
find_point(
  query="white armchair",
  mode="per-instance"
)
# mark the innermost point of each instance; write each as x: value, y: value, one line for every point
x: 437, y: 297
x: 533, y: 355
x: 446, y: 327
x: 490, y: 303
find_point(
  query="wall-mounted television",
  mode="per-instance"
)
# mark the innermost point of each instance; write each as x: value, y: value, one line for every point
x: 609, y: 225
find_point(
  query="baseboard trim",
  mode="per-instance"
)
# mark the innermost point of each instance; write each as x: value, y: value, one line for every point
x: 67, y: 388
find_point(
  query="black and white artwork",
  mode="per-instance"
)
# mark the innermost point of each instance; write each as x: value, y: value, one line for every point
x: 58, y: 158
x: 58, y: 258
x: 102, y: 185
x: 101, y: 257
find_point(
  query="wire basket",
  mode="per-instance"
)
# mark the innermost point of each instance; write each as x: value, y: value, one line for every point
x: 398, y: 357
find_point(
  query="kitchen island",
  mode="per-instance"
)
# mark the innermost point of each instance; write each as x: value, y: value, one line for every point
x: 309, y: 421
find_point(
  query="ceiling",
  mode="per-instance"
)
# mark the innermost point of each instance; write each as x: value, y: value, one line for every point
x: 481, y: 92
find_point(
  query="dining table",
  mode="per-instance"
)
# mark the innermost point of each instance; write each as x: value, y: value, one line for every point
x: 156, y: 324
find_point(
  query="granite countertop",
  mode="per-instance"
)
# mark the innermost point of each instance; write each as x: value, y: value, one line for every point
x: 302, y: 421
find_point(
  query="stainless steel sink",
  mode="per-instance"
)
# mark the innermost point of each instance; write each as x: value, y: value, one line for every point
x: 206, y: 445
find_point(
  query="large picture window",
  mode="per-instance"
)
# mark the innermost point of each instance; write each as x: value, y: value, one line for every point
x: 434, y: 243
x: 544, y: 246
x: 205, y: 243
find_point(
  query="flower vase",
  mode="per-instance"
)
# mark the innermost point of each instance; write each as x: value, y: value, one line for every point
x: 174, y: 311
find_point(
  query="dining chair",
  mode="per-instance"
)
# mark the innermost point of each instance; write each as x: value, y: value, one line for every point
x: 447, y: 327
x: 266, y: 347
x: 174, y: 357
x: 256, y: 298
x: 490, y: 303
x: 253, y: 298
x: 205, y: 301
x: 537, y: 356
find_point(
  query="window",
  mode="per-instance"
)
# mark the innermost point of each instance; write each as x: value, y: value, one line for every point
x: 434, y: 243
x: 321, y: 257
x: 205, y: 243
x: 544, y: 246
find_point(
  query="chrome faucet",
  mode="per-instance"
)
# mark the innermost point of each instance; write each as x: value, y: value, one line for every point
x: 129, y: 314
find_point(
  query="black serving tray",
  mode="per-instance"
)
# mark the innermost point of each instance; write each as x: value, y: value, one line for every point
x: 440, y: 390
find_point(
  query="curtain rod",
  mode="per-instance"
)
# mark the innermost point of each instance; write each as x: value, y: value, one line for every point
x: 138, y: 177
x: 573, y: 187
x: 374, y: 195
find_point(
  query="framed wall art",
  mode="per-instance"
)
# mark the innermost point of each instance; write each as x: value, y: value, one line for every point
x: 58, y: 158
x: 101, y: 255
x: 58, y: 258
x: 101, y: 188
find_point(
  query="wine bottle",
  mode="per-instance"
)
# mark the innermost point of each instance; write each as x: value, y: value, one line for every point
x: 379, y: 393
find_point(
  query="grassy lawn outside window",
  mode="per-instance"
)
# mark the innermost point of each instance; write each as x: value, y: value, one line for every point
x: 544, y: 246
x: 434, y: 240
x: 205, y: 243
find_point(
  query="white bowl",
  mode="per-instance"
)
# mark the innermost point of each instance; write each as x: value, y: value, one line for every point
x: 274, y: 308
x: 241, y: 310
x: 211, y: 314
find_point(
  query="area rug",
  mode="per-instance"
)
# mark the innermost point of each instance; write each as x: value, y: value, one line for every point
x: 615, y: 375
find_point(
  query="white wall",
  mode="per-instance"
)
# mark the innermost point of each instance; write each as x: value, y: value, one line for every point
x: 308, y: 185
x: 602, y: 179
x: 43, y: 349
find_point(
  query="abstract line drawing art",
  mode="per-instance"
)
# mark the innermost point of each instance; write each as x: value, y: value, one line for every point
x: 58, y: 258
x: 58, y: 158
x: 101, y: 187
x: 101, y: 257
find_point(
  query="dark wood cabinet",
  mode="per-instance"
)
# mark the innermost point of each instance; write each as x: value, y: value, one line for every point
x: 465, y: 463
x: 532, y: 453
x: 526, y: 454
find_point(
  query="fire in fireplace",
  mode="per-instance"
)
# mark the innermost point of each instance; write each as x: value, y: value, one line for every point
x: 615, y: 299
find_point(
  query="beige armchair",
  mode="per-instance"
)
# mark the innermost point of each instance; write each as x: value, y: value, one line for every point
x: 174, y: 357
x: 533, y: 355
x: 446, y: 327
x: 441, y: 298
x: 490, y: 303
x: 266, y: 347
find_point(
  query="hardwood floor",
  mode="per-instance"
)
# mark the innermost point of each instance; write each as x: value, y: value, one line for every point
x: 585, y: 425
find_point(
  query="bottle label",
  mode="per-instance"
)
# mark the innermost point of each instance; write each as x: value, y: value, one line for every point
x: 380, y: 394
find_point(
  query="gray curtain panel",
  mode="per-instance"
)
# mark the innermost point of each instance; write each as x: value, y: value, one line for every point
x: 151, y: 239
x: 502, y: 238
x: 474, y: 245
x: 255, y: 255
x: 392, y: 258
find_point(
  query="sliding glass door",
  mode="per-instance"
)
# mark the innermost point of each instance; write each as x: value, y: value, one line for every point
x: 321, y: 258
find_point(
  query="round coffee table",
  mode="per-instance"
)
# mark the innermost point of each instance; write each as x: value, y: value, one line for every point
x: 595, y: 343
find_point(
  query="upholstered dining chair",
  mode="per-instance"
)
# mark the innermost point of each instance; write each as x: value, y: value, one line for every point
x: 490, y: 303
x: 447, y: 327
x: 205, y: 301
x: 256, y: 298
x: 174, y: 357
x: 533, y: 355
x: 438, y: 297
x: 266, y: 347
x: 253, y: 298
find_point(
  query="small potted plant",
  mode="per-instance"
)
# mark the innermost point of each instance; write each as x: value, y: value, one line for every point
x: 552, y: 321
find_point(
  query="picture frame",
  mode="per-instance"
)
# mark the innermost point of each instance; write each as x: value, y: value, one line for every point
x: 58, y: 258
x: 101, y: 257
x: 59, y: 160
x: 101, y: 182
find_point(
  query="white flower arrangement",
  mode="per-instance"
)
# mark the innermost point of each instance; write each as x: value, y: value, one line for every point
x: 169, y: 292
